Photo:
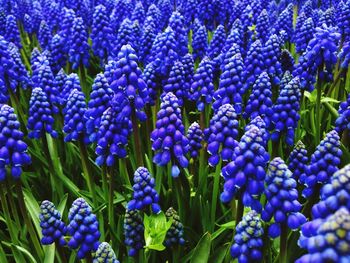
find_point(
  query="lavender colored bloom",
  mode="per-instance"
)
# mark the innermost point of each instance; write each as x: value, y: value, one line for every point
x: 144, y: 195
x: 133, y: 231
x: 195, y: 138
x: 230, y: 85
x: 221, y: 135
x: 324, y: 163
x: 99, y: 102
x: 13, y: 150
x: 101, y: 33
x: 260, y: 100
x: 74, y: 117
x: 174, y: 236
x: 83, y: 227
x: 285, y: 115
x: 282, y: 199
x: 200, y: 42
x: 326, y: 240
x: 217, y: 43
x: 12, y: 32
x: 40, y: 119
x: 248, y: 243
x: 105, y: 254
x: 298, y: 161
x: 44, y: 35
x: 53, y: 228
x: 244, y: 176
x: 79, y: 47
x: 168, y: 138
x: 334, y: 194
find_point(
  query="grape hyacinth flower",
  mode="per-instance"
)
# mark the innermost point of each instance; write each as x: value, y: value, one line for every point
x: 272, y: 54
x: 13, y: 150
x: 342, y: 123
x: 304, y: 36
x: 174, y: 236
x: 57, y: 49
x: 234, y: 38
x: 230, y: 85
x: 21, y: 75
x: 40, y: 119
x: 152, y: 81
x: 282, y: 199
x: 260, y: 100
x: 168, y: 138
x: 195, y: 138
x: 74, y: 117
x: 60, y: 80
x: 298, y: 161
x: 176, y: 22
x: 52, y: 227
x: 334, y: 194
x: 188, y: 64
x: 344, y: 55
x: 44, y: 35
x: 343, y: 20
x: 12, y: 32
x: 326, y: 240
x: 79, y: 47
x: 246, y: 173
x: 285, y: 21
x: 202, y: 87
x: 124, y: 36
x: 221, y: 135
x: 101, y: 33
x: 99, y: 102
x: 127, y: 80
x: 138, y: 13
x: 133, y: 231
x: 248, y: 243
x: 261, y: 125
x: 262, y: 26
x: 164, y: 50
x: 67, y: 25
x: 83, y: 227
x: 105, y: 254
x: 113, y: 132
x: 254, y: 63
x: 144, y: 193
x: 200, y: 42
x: 146, y: 41
x: 72, y: 82
x: 217, y: 43
x: 285, y: 115
x: 324, y: 163
x: 175, y: 82
x: 27, y: 24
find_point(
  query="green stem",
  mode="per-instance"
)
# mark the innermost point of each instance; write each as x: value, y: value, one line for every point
x: 32, y: 234
x: 240, y: 210
x: 87, y: 173
x: 283, y: 243
x: 159, y: 178
x: 12, y: 203
x: 110, y: 205
x: 215, y: 194
x: 7, y: 213
x: 124, y: 171
x: 318, y: 108
x: 137, y: 143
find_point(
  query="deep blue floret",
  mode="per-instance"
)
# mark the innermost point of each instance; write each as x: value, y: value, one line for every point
x: 195, y: 138
x: 133, y: 231
x: 174, y: 236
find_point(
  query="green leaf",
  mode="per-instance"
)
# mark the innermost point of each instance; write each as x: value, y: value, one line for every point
x: 219, y: 255
x: 33, y: 209
x: 156, y: 227
x: 202, y: 250
x: 62, y: 205
x: 328, y: 99
x: 24, y: 252
x: 49, y: 252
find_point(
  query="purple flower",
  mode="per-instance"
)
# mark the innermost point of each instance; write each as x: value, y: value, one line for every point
x: 221, y: 134
x: 133, y: 231
x: 298, y: 161
x: 195, y: 138
x: 174, y: 236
